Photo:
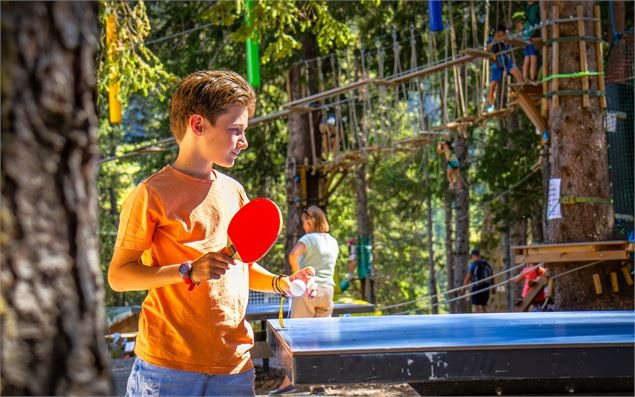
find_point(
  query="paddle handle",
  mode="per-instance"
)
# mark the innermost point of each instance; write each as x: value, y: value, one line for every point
x: 230, y: 251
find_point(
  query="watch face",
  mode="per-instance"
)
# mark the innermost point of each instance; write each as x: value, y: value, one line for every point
x: 183, y: 269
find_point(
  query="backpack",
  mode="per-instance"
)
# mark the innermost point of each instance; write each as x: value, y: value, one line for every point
x: 482, y: 271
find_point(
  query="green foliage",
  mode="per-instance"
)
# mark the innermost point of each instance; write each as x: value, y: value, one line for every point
x: 189, y: 36
x: 285, y: 22
x: 128, y: 62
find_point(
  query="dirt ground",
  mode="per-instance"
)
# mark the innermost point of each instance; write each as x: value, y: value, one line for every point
x: 270, y: 381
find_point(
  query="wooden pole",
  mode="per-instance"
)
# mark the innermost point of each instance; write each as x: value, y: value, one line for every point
x: 584, y: 66
x: 627, y: 276
x: 597, y: 283
x: 555, y: 52
x: 312, y: 132
x: 599, y: 56
x: 544, y: 102
x: 615, y: 287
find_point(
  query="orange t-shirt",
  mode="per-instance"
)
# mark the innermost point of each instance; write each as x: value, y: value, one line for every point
x: 174, y: 217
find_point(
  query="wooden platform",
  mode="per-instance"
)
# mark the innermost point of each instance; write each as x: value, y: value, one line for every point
x: 573, y: 252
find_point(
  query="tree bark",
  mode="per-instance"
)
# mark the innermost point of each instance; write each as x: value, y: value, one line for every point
x: 52, y: 295
x: 299, y: 151
x: 579, y: 158
x: 432, y: 278
x: 461, y: 250
x: 364, y: 223
x: 507, y: 260
x: 449, y: 246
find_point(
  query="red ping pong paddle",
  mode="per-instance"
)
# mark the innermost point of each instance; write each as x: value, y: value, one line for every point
x: 253, y: 230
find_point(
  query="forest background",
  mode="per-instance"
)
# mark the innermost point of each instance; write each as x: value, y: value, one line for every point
x: 160, y: 42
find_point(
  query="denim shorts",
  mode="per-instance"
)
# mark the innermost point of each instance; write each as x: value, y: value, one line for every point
x: 506, y: 66
x: 150, y: 380
x: 530, y: 50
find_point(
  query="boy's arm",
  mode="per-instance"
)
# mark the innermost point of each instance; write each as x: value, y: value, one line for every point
x: 260, y: 279
x: 126, y: 273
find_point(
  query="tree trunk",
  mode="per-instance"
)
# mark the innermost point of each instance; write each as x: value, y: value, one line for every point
x: 364, y: 224
x: 449, y: 246
x: 432, y: 278
x: 517, y: 236
x: 461, y: 251
x: 579, y: 158
x: 53, y: 321
x: 300, y: 152
x: 578, y: 148
x: 507, y: 265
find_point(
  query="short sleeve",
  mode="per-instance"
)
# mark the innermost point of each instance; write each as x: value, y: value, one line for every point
x: 470, y: 270
x: 139, y: 217
x: 306, y: 240
x: 242, y: 195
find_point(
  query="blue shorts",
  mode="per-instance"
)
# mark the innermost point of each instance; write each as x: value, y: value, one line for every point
x: 530, y: 50
x: 453, y: 164
x: 497, y: 72
x: 151, y: 380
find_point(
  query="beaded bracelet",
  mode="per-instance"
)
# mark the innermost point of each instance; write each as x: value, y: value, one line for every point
x: 275, y: 284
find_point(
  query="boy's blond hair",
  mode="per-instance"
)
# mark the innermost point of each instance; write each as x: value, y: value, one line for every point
x: 210, y: 94
x: 319, y: 218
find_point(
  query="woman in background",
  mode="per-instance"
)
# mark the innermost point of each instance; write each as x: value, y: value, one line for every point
x: 317, y: 248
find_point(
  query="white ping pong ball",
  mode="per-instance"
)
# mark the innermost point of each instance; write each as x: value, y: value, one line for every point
x: 298, y: 287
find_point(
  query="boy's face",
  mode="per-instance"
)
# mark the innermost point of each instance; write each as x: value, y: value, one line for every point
x: 223, y: 142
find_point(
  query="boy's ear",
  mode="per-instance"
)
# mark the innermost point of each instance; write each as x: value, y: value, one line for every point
x: 196, y: 124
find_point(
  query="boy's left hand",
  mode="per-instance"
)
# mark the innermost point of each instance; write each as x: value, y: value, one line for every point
x: 305, y: 274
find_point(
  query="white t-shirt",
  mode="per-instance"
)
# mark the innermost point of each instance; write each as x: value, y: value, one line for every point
x: 322, y: 251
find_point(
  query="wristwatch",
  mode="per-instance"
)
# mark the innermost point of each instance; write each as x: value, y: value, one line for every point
x: 185, y: 270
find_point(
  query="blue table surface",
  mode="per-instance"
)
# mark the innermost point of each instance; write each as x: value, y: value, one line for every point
x: 455, y: 331
x: 272, y: 309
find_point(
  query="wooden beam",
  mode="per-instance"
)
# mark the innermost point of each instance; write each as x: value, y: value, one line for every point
x: 560, y: 257
x: 555, y: 60
x: 584, y: 67
x: 535, y: 289
x: 527, y: 105
x: 615, y: 286
x: 597, y: 283
x: 622, y: 244
x: 434, y: 68
x: 478, y: 52
x: 544, y: 35
x: 516, y: 42
x: 599, y: 56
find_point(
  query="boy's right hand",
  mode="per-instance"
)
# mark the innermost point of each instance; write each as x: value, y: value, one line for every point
x: 210, y: 266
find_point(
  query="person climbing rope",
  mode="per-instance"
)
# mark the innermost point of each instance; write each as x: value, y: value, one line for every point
x: 454, y: 178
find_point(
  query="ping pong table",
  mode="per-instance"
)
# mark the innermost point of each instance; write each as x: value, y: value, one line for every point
x: 462, y: 354
x: 261, y: 311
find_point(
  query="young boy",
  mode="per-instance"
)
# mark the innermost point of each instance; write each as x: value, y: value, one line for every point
x: 501, y: 64
x: 193, y: 342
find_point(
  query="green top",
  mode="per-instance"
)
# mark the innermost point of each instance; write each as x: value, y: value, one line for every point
x: 322, y: 251
x: 532, y: 18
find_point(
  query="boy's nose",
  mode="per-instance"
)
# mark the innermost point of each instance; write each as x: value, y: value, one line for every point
x: 242, y: 143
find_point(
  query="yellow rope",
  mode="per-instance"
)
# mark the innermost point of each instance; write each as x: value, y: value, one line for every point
x: 281, y: 313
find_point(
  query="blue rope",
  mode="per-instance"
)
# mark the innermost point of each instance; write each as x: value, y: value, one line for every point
x: 616, y: 35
